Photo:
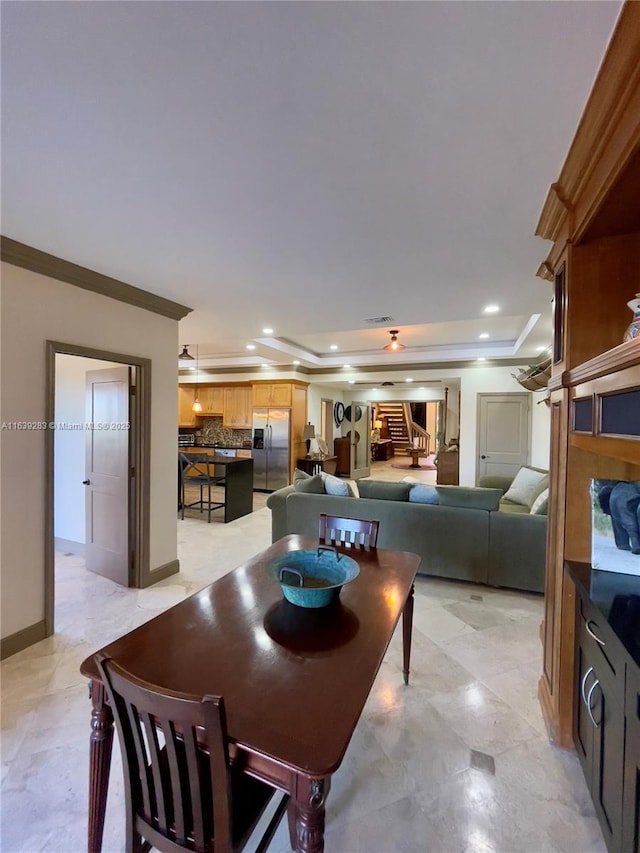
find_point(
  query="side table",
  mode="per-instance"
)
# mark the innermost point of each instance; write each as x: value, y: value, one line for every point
x: 313, y: 466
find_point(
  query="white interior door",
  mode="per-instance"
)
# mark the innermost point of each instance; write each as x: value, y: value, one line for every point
x: 107, y: 473
x: 359, y: 429
x: 503, y: 433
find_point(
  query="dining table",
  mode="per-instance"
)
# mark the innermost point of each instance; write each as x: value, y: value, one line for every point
x: 294, y: 679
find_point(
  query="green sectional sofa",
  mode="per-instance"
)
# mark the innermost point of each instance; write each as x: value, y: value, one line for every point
x: 469, y: 535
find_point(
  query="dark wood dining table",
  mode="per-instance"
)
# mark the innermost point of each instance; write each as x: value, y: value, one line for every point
x: 294, y: 680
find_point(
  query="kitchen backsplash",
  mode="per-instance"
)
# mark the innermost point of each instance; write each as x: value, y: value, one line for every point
x: 212, y: 432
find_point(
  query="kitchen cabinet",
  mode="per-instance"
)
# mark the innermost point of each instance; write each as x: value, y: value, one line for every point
x: 186, y: 396
x: 237, y: 408
x: 212, y: 399
x: 272, y: 394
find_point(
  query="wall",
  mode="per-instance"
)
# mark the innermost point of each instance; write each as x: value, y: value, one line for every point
x: 69, y: 445
x: 35, y: 309
x: 315, y: 393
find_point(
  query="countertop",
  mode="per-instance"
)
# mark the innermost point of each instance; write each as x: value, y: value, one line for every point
x: 617, y: 597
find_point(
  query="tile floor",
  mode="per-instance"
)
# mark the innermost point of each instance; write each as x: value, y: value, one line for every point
x: 458, y: 762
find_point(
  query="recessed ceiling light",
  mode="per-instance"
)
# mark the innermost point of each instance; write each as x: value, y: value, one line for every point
x: 296, y: 362
x: 333, y: 346
x: 408, y: 380
x: 421, y: 388
x: 491, y: 309
x: 251, y: 346
x: 346, y: 366
x: 540, y: 349
x: 374, y: 389
x: 267, y: 331
x: 484, y: 335
x: 482, y: 358
x: 264, y: 365
x: 352, y: 382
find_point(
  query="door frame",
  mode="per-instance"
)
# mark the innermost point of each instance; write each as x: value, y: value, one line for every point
x: 526, y: 395
x: 140, y: 508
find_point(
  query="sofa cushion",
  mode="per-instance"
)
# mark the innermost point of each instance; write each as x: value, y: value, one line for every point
x: 469, y: 497
x: 423, y: 493
x: 311, y: 485
x: 509, y: 506
x: 524, y: 485
x: 541, y: 503
x: 379, y: 490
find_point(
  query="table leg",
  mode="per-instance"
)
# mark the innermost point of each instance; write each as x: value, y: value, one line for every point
x: 407, y: 626
x: 308, y: 811
x: 100, y: 744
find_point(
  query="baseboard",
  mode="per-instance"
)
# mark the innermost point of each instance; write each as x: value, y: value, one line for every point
x: 159, y: 574
x: 68, y: 546
x: 15, y: 643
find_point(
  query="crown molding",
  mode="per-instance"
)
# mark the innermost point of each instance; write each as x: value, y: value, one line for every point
x: 21, y: 255
x: 599, y: 150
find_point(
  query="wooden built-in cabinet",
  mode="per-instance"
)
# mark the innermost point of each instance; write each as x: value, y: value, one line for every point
x: 592, y: 215
x: 272, y: 394
x: 237, y: 408
x: 186, y: 397
x: 212, y: 399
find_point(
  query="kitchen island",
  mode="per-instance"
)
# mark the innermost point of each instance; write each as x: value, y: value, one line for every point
x: 236, y: 476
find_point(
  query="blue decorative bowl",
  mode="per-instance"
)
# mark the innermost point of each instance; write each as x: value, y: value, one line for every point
x: 313, y: 578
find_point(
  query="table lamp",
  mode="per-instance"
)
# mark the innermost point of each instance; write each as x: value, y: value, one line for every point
x: 309, y: 432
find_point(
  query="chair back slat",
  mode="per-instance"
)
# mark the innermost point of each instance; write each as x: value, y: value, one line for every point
x: 352, y: 532
x: 153, y: 761
x: 195, y: 785
x: 179, y: 801
x: 143, y: 772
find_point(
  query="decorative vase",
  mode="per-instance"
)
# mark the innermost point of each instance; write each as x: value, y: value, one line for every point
x: 634, y: 327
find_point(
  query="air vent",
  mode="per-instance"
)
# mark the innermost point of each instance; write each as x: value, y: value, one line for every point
x: 386, y: 384
x: 379, y: 320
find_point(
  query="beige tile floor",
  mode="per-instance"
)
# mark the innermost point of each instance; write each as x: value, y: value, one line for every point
x: 458, y: 762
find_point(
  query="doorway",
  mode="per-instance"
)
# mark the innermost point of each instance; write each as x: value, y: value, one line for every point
x: 97, y: 463
x: 503, y: 433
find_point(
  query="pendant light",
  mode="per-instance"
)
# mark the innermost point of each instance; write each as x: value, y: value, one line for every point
x: 197, y: 405
x: 185, y: 355
x: 393, y: 345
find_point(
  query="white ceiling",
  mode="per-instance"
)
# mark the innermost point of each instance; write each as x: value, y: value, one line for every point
x: 304, y: 166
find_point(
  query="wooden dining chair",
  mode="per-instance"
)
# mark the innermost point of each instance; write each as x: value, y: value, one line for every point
x: 181, y: 791
x: 348, y: 531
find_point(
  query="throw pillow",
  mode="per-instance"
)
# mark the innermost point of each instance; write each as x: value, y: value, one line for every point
x: 353, y: 488
x: 423, y: 493
x: 334, y: 485
x: 541, y: 503
x: 311, y: 486
x: 523, y: 486
x: 539, y: 489
x: 299, y: 475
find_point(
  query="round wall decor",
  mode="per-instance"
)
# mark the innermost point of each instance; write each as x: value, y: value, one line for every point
x: 353, y: 415
x: 338, y: 413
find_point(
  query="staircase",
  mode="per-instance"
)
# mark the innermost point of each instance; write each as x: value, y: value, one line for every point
x: 394, y: 415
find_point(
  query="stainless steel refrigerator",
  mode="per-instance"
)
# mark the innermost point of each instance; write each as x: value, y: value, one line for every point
x: 270, y: 448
